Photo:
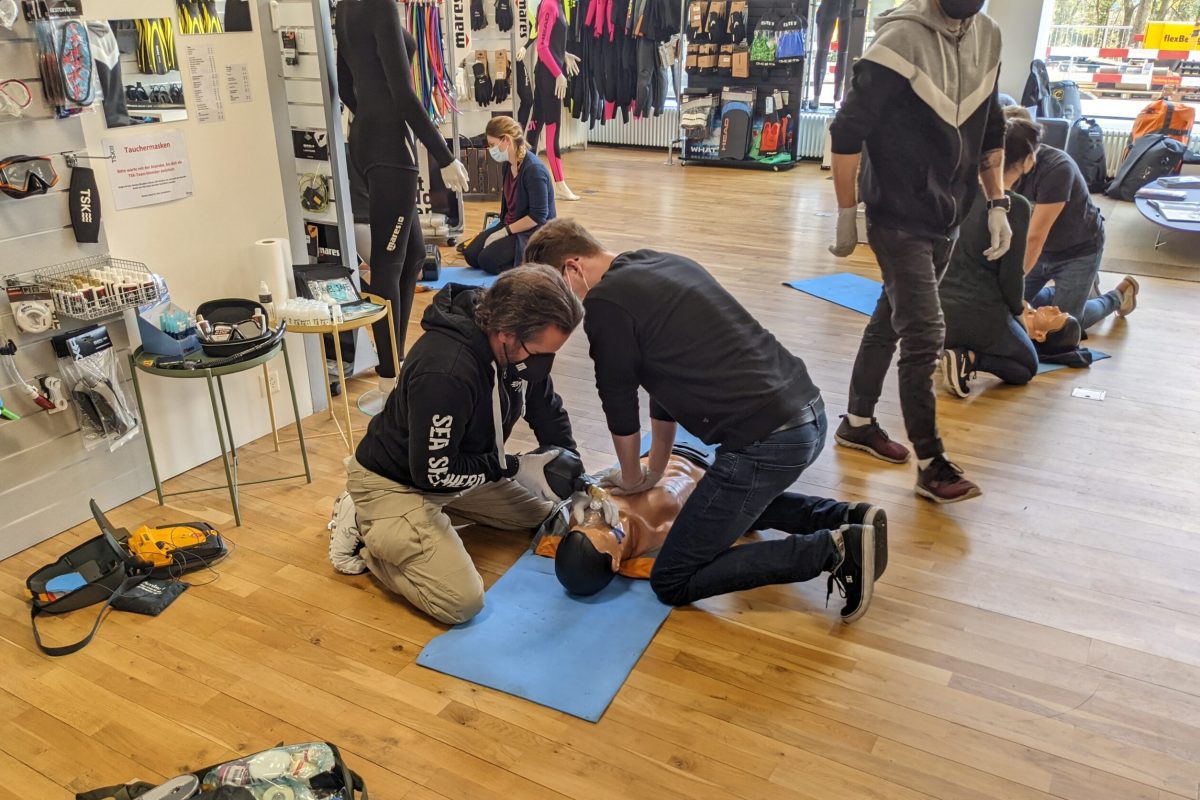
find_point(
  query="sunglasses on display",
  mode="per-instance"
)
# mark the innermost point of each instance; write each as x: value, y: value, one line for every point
x: 24, y: 176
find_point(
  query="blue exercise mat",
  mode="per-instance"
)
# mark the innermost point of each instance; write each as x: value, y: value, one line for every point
x: 861, y: 294
x: 535, y: 641
x: 468, y: 276
x: 844, y: 289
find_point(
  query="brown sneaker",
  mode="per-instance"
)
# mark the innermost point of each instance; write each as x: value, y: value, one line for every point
x: 943, y: 482
x: 1128, y: 287
x: 870, y: 439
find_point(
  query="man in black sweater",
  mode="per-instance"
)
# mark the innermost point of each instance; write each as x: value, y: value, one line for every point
x: 923, y: 105
x: 437, y: 448
x: 660, y: 322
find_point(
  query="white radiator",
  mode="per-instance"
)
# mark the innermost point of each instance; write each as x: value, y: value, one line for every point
x: 811, y: 131
x: 649, y: 132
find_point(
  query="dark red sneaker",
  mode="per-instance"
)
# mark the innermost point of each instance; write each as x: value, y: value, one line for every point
x: 871, y: 439
x: 943, y: 482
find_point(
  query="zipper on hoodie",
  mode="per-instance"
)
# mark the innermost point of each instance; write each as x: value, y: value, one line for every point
x: 957, y: 123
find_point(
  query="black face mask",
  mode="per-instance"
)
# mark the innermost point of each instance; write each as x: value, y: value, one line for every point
x: 533, y: 369
x: 961, y: 9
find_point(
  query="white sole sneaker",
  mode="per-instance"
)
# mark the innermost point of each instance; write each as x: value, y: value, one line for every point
x: 1129, y: 301
x: 950, y: 369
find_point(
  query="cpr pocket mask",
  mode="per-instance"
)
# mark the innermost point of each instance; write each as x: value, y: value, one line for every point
x: 24, y: 176
x: 88, y: 367
x: 314, y: 191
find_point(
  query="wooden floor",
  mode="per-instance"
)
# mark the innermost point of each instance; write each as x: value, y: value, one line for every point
x: 1040, y: 641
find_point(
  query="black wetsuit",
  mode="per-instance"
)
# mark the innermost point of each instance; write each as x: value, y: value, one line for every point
x: 375, y: 82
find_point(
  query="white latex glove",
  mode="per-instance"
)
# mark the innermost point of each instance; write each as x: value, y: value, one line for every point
x: 521, y: 53
x: 583, y: 502
x: 572, y: 64
x: 460, y: 81
x: 1001, y: 233
x: 454, y: 175
x: 612, y: 479
x: 531, y: 473
x: 560, y: 86
x: 493, y: 237
x: 846, y: 237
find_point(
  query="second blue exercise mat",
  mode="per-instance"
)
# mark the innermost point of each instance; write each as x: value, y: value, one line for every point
x: 861, y: 294
x: 467, y: 276
x: 844, y: 289
x: 535, y: 641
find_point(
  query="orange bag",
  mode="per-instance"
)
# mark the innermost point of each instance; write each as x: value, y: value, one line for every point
x: 1163, y: 116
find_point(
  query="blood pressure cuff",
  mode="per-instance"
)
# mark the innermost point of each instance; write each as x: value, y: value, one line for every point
x: 646, y: 520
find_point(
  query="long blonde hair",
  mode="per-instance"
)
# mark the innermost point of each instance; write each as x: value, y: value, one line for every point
x: 499, y: 127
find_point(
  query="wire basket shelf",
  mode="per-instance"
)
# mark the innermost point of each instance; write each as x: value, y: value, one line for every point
x: 95, y: 287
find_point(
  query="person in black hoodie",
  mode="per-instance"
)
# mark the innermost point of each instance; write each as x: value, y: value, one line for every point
x: 437, y: 449
x: 924, y: 105
x: 660, y: 322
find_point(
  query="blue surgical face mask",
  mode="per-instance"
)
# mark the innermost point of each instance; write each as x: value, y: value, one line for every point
x: 497, y: 154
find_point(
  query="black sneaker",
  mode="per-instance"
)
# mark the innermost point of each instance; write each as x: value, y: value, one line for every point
x: 943, y: 482
x: 876, y: 517
x: 855, y: 575
x: 957, y: 371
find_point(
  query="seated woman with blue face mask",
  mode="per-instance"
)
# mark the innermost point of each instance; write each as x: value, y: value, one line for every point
x: 526, y: 203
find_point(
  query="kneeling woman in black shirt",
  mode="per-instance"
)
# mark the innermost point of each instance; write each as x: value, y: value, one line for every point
x: 526, y: 204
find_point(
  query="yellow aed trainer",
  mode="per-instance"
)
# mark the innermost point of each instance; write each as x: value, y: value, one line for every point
x: 157, y: 546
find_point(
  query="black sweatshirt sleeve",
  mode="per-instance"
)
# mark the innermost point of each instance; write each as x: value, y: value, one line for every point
x: 1012, y: 263
x: 547, y: 417
x: 439, y: 407
x: 871, y: 88
x: 993, y: 131
x: 389, y: 46
x: 616, y: 354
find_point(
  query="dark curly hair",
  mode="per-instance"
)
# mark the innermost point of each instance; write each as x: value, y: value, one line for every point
x: 523, y: 301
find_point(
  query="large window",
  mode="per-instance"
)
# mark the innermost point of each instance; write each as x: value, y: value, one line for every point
x: 1123, y: 53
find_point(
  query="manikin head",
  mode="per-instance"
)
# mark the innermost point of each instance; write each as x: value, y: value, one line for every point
x: 586, y: 560
x: 506, y: 141
x: 1022, y: 138
x: 568, y: 247
x: 528, y: 314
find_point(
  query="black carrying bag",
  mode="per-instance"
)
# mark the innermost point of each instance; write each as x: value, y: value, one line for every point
x: 313, y: 769
x: 110, y: 571
x: 1085, y: 146
x: 1065, y: 100
x: 1152, y: 157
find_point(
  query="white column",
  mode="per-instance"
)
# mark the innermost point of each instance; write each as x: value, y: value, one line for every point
x: 1025, y: 25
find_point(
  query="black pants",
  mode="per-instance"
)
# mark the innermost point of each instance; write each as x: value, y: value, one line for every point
x: 745, y: 490
x: 1003, y: 350
x: 496, y: 257
x: 910, y: 313
x: 397, y: 253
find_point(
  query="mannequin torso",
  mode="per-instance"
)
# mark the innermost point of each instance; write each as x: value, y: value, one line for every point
x: 375, y: 82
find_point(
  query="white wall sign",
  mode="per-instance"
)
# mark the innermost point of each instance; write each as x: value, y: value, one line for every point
x: 148, y: 169
x: 206, y: 90
x: 237, y: 82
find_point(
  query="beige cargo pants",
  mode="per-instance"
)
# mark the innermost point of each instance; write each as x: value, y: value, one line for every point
x: 412, y: 547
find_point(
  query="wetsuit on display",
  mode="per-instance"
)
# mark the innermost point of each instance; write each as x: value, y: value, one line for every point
x: 551, y: 51
x: 374, y: 59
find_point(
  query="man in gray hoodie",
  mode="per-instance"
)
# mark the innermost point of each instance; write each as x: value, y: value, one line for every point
x: 923, y: 106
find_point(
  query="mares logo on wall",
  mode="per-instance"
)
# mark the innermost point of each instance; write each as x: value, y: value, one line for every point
x: 458, y: 21
x: 522, y: 20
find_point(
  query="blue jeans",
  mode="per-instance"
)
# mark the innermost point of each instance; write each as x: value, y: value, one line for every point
x: 1073, y: 279
x: 745, y: 490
